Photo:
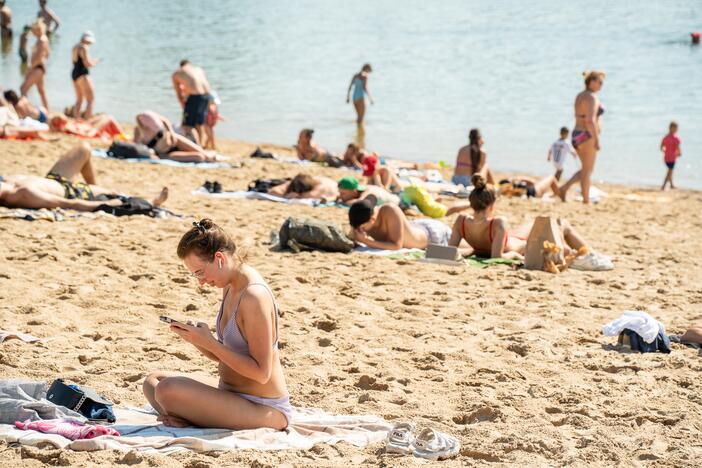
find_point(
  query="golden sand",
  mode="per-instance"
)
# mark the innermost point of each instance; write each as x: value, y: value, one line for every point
x: 512, y: 363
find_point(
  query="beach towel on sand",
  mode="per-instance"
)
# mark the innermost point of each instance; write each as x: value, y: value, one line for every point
x: 98, y: 153
x: 8, y: 335
x: 261, y: 196
x: 418, y: 254
x: 140, y: 431
x: 59, y: 214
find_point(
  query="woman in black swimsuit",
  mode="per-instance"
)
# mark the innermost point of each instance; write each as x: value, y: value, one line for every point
x: 81, y: 75
x: 40, y: 52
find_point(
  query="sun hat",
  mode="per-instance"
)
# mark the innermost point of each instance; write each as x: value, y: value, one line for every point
x: 88, y: 37
x: 351, y: 183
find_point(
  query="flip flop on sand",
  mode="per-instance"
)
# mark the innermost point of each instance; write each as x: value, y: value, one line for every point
x: 435, y: 445
x: 400, y: 439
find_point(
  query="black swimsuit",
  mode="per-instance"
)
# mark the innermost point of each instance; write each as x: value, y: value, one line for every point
x: 79, y: 69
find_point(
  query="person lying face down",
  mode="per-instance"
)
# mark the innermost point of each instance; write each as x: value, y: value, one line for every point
x: 386, y: 227
x: 307, y: 186
x: 61, y: 188
x: 488, y: 234
x: 351, y: 191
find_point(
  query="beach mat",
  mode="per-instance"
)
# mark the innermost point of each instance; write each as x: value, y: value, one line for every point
x: 243, y: 194
x: 59, y: 214
x: 140, y: 431
x: 418, y: 254
x: 98, y: 153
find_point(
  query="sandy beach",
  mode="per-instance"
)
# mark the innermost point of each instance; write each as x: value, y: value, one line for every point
x: 512, y: 362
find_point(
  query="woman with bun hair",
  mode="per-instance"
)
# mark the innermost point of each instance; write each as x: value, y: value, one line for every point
x: 488, y: 235
x: 586, y: 133
x: 250, y: 392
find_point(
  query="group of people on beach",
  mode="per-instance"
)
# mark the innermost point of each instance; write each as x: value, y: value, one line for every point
x: 250, y: 391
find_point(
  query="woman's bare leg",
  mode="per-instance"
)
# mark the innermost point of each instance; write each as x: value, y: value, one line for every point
x: 360, y: 106
x: 79, y: 96
x: 571, y: 236
x: 76, y: 161
x: 587, y: 153
x: 42, y: 91
x: 88, y: 91
x: 30, y: 80
x: 200, y: 403
x: 542, y: 186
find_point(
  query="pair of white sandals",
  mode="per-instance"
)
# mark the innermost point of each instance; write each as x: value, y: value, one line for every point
x: 593, y: 261
x: 429, y: 443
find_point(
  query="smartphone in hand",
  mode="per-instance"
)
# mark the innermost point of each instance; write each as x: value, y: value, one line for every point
x: 167, y: 319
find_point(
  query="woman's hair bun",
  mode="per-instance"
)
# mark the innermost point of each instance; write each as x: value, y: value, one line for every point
x: 479, y: 182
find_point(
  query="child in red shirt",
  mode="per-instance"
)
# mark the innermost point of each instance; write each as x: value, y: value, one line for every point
x: 670, y: 146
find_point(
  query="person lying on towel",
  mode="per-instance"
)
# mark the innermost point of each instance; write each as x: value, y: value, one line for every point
x: 307, y: 186
x: 61, y: 188
x: 386, y: 227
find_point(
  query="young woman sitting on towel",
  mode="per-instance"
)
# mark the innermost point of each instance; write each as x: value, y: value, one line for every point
x: 250, y: 392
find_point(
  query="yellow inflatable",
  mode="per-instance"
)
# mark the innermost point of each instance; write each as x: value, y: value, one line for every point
x: 416, y: 195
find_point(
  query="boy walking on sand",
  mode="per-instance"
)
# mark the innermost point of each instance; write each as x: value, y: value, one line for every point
x: 559, y: 149
x: 670, y: 146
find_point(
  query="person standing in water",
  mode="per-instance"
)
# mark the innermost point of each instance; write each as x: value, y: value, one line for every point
x: 359, y: 83
x: 670, y: 146
x: 22, y: 50
x: 81, y: 75
x: 193, y: 92
x: 5, y: 21
x: 586, y: 134
x: 49, y: 17
x: 37, y: 70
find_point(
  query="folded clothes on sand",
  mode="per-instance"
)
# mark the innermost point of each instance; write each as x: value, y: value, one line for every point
x: 640, y: 322
x: 262, y: 196
x: 98, y: 153
x: 141, y: 431
x: 68, y: 428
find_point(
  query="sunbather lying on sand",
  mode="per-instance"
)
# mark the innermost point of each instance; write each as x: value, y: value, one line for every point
x: 156, y: 132
x: 488, y: 235
x: 61, y: 187
x: 519, y: 186
x: 250, y: 392
x: 307, y: 186
x: 351, y: 191
x: 386, y: 227
x: 97, y: 126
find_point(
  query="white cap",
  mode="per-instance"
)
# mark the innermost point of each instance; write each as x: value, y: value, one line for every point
x: 88, y: 37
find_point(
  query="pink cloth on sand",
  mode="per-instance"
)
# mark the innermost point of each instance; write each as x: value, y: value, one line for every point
x: 67, y: 428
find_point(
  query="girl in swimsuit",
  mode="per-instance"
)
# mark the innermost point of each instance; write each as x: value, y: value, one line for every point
x: 156, y: 132
x: 81, y: 75
x: 40, y: 52
x: 359, y: 83
x: 471, y: 159
x: 250, y: 392
x: 488, y: 235
x: 586, y: 134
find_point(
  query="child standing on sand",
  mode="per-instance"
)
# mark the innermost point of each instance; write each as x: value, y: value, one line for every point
x: 670, y: 146
x: 558, y: 151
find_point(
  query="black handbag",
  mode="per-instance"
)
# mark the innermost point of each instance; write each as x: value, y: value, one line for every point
x: 81, y: 400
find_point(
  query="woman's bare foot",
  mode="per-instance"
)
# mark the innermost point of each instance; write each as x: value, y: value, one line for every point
x: 161, y: 198
x: 173, y: 421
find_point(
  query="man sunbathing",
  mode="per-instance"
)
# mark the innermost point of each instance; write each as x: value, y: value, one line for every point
x: 351, y: 191
x: 307, y: 186
x: 61, y: 187
x: 386, y: 227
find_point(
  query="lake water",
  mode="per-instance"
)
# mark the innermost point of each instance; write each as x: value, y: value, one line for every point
x: 508, y: 67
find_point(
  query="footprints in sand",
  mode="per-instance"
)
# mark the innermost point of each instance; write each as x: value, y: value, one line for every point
x: 481, y: 414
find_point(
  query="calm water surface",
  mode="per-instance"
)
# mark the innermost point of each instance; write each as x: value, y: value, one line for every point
x: 508, y: 67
